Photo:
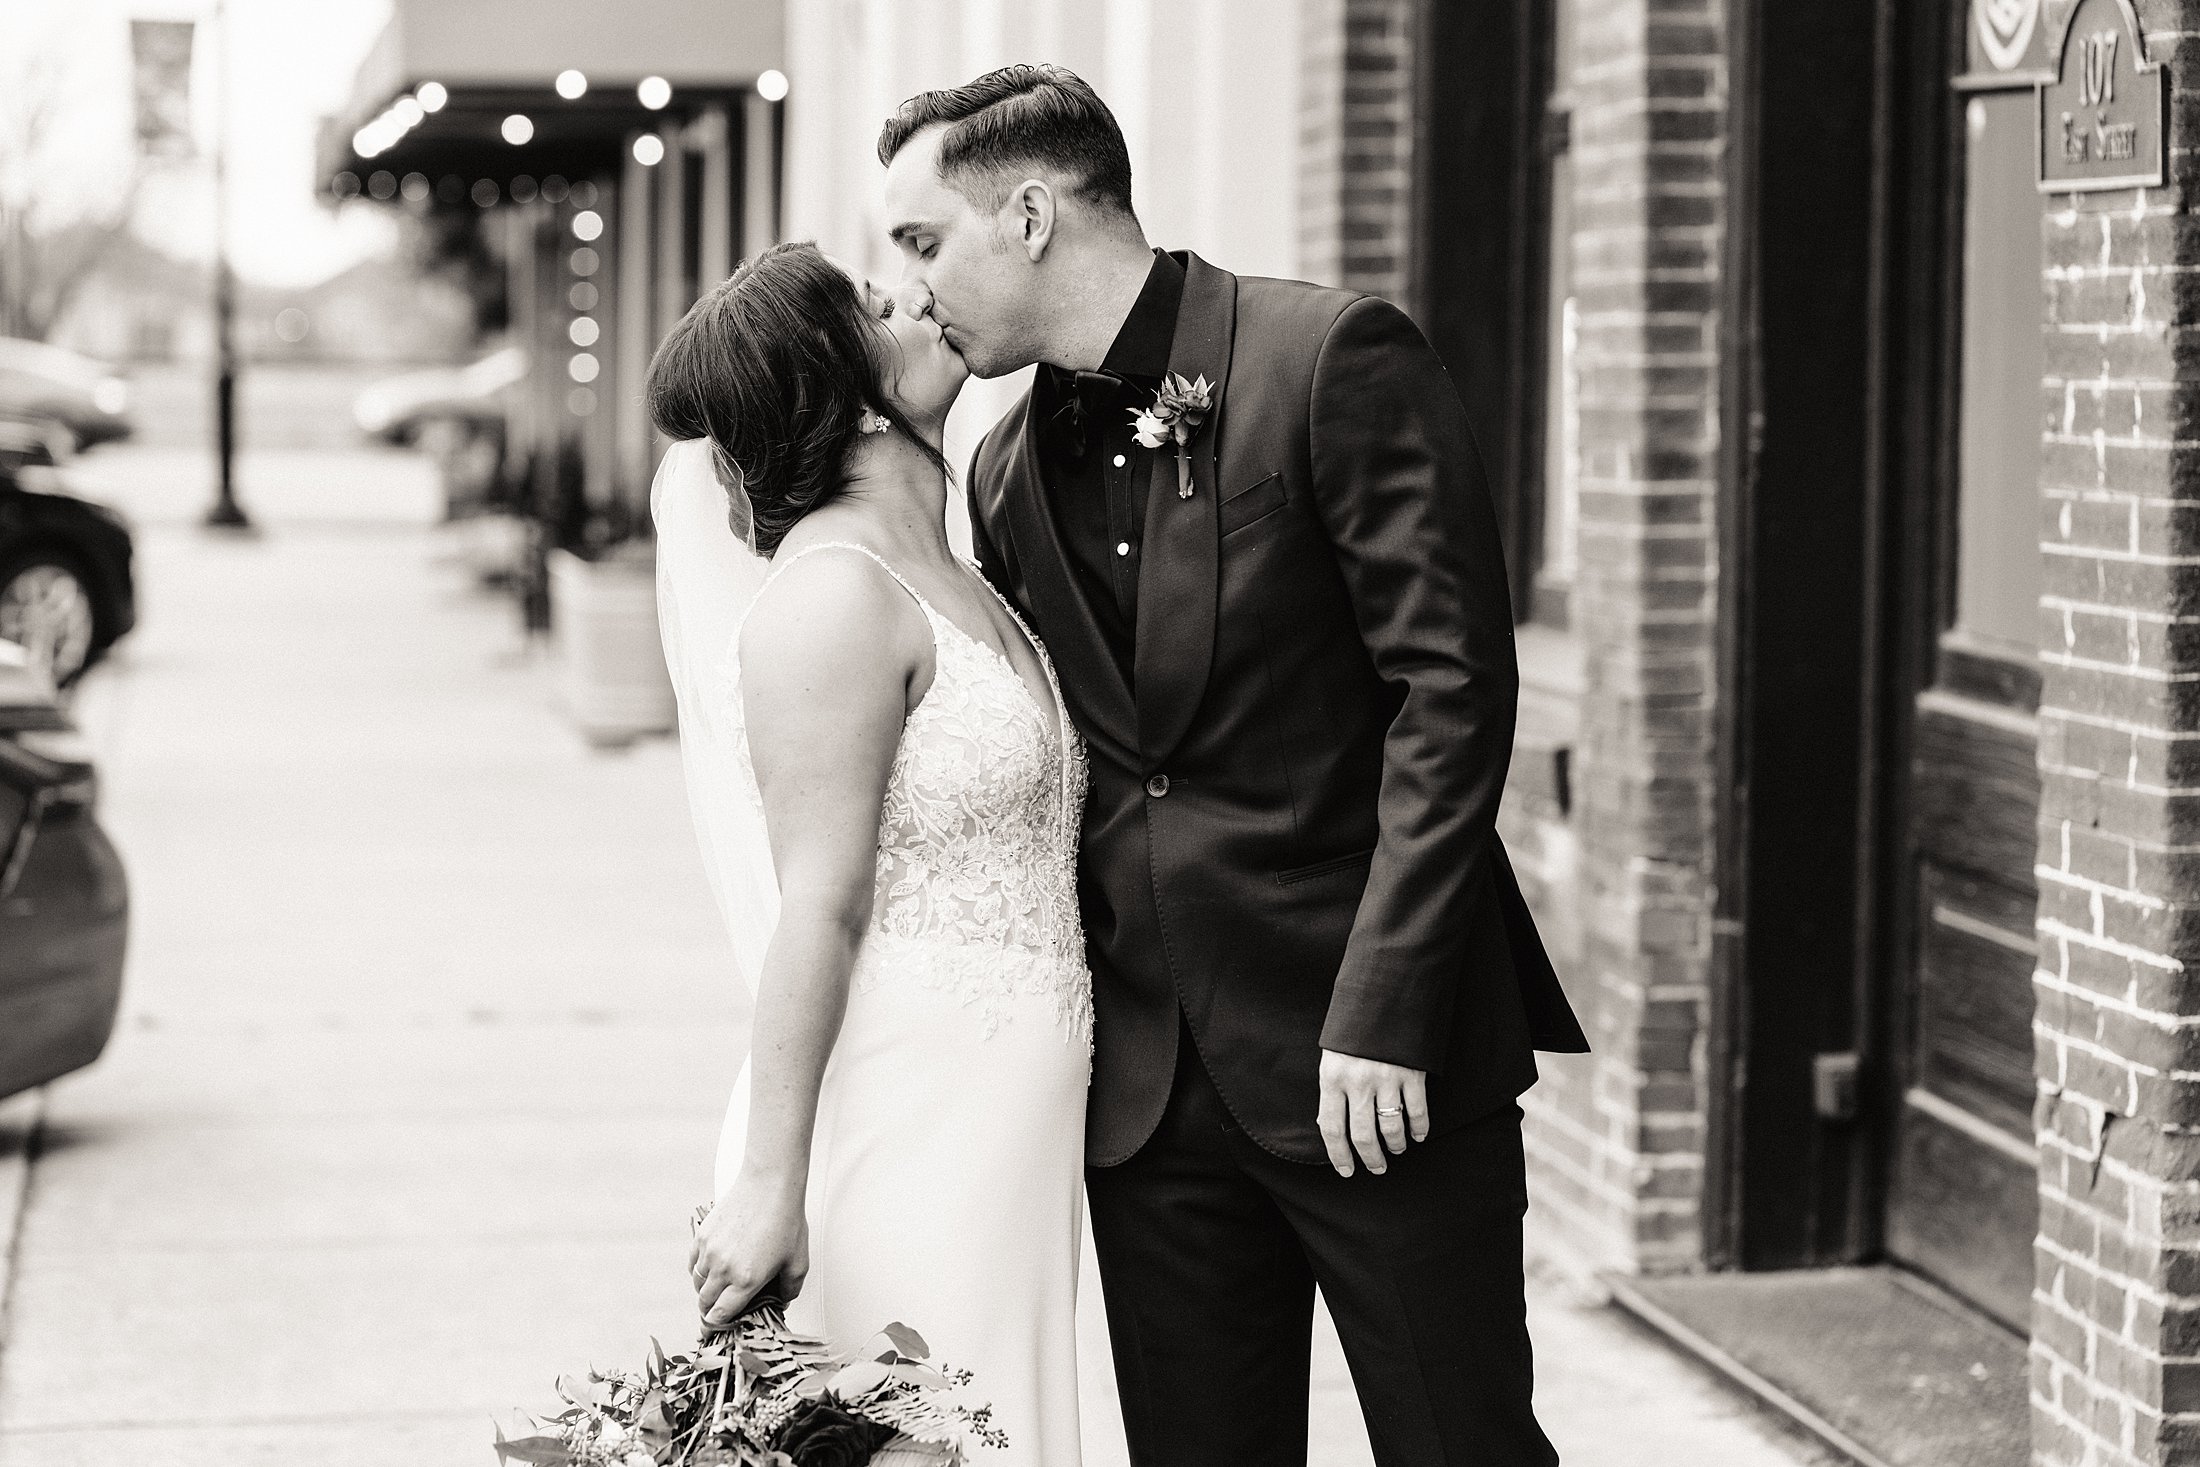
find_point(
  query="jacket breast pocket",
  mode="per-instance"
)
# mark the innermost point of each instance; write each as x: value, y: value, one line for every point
x: 1253, y: 503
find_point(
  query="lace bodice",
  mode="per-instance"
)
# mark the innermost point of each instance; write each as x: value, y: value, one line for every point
x: 976, y: 884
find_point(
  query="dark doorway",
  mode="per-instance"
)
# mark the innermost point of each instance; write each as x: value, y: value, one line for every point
x: 1798, y: 612
x: 1879, y: 842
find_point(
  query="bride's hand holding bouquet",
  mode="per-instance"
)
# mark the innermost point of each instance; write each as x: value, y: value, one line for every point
x: 755, y: 1241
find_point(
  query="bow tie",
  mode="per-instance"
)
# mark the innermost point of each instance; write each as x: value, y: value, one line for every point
x: 1081, y: 394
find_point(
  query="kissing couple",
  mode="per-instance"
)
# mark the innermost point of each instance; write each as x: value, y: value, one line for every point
x: 1147, y: 864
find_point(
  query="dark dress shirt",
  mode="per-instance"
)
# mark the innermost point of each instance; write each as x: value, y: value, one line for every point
x: 1096, y: 474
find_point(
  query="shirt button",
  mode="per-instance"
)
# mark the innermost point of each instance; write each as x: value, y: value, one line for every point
x: 1123, y: 547
x: 1119, y: 460
x: 1158, y: 786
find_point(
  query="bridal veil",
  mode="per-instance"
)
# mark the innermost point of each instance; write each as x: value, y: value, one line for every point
x: 708, y: 572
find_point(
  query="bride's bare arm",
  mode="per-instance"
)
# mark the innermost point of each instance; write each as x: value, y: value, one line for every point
x: 827, y: 663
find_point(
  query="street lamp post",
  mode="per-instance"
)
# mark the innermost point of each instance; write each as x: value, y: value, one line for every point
x: 226, y: 513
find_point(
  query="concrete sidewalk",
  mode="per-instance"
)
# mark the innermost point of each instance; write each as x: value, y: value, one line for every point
x: 426, y: 1038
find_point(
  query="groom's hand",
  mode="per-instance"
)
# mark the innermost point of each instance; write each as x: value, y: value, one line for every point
x: 1370, y: 1107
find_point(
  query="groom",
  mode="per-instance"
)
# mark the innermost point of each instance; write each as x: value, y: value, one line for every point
x: 1286, y: 637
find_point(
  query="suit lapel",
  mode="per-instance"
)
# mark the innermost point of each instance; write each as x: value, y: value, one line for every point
x: 1091, y: 679
x: 1178, y: 581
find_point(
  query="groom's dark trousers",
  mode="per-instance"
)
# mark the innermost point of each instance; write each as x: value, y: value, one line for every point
x: 1291, y: 656
x: 1210, y: 1250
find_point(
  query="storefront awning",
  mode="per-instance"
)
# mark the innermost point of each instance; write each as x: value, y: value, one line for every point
x: 481, y: 64
x: 523, y: 43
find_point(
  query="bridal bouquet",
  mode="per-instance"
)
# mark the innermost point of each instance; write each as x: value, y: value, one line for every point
x: 758, y: 1394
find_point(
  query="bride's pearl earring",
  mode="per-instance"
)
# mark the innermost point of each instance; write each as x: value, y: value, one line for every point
x: 871, y: 422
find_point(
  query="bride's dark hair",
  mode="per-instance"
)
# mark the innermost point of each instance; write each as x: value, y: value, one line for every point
x: 775, y: 365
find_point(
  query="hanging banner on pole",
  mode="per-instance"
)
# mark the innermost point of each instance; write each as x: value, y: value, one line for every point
x: 2104, y: 118
x: 160, y: 67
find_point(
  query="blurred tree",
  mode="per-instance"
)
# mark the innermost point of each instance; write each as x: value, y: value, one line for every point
x: 40, y: 273
x: 58, y: 219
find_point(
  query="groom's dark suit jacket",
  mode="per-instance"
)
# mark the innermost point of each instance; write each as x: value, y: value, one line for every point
x: 1290, y: 833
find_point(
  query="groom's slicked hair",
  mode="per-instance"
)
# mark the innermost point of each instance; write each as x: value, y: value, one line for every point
x: 1008, y: 120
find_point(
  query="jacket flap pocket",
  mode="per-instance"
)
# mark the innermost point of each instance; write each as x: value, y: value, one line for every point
x: 1298, y: 874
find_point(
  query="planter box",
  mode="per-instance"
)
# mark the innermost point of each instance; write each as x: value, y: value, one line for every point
x: 611, y: 679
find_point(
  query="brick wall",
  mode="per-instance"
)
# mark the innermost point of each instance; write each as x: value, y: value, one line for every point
x: 2116, y: 1310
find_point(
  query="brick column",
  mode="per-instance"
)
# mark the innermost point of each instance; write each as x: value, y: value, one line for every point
x: 1356, y: 145
x: 1619, y: 1138
x: 2116, y: 1310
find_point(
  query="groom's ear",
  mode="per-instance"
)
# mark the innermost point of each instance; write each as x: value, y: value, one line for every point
x: 1028, y: 218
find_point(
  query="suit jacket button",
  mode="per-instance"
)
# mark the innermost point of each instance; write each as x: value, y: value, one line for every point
x: 1158, y: 786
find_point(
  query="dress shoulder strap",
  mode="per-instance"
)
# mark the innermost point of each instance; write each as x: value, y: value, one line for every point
x: 782, y: 567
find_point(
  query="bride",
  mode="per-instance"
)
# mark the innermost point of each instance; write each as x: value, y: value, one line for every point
x: 888, y: 791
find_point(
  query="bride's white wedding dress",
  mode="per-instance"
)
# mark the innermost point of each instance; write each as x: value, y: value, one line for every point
x: 946, y: 1181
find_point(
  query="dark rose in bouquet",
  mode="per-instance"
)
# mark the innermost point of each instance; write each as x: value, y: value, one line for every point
x: 821, y: 1434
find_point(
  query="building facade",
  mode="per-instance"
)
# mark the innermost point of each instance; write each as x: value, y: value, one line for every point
x: 599, y: 178
x: 1846, y: 442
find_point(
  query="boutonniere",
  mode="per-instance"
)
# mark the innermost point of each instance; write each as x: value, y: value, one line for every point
x: 1178, y: 410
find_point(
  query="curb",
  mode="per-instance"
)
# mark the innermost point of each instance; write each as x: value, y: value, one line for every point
x: 21, y: 1116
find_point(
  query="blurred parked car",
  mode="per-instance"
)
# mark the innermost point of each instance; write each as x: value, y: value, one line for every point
x: 456, y: 416
x: 41, y: 382
x: 64, y: 904
x: 66, y: 591
x: 395, y: 409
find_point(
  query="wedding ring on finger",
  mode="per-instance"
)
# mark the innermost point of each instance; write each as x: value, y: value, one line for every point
x: 1392, y: 1121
